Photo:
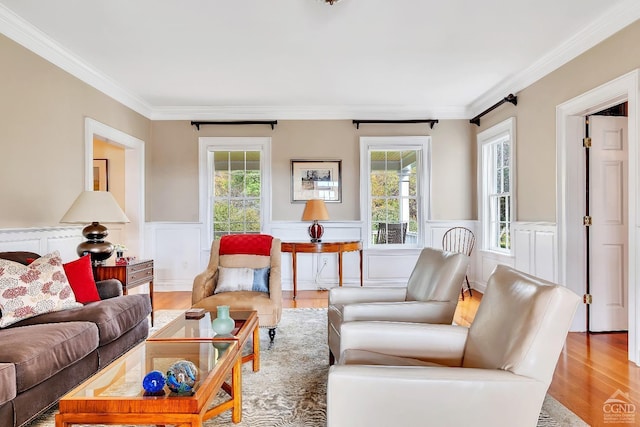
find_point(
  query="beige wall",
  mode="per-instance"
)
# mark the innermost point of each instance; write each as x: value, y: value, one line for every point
x: 536, y: 120
x: 42, y: 112
x: 173, y: 164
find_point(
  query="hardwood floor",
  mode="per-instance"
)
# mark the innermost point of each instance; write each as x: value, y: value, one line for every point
x: 591, y: 368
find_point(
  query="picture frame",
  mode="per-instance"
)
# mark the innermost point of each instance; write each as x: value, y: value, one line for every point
x: 100, y: 175
x: 316, y: 179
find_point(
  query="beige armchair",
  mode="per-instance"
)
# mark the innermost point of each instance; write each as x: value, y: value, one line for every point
x: 431, y: 296
x: 495, y: 373
x: 222, y: 283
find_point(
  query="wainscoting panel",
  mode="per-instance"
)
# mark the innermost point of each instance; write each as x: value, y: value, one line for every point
x: 180, y: 253
x: 43, y: 240
x: 535, y: 249
x: 176, y: 249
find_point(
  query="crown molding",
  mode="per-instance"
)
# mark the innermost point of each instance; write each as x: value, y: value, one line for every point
x: 25, y: 34
x: 608, y: 24
x: 322, y: 112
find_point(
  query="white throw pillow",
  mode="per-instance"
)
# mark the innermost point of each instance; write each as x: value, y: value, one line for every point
x: 234, y: 279
x: 37, y: 288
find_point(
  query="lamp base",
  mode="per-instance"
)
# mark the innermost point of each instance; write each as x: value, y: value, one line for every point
x: 315, y: 232
x: 95, y: 245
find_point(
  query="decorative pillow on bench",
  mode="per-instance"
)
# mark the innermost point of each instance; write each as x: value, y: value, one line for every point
x: 41, y: 287
x: 242, y: 279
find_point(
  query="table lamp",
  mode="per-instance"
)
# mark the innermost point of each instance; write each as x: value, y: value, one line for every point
x: 94, y: 207
x: 315, y: 210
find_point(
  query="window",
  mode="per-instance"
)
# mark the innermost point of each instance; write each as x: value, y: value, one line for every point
x: 496, y: 147
x: 396, y: 191
x: 234, y: 178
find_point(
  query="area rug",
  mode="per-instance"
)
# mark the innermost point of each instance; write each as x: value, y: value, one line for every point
x: 290, y: 388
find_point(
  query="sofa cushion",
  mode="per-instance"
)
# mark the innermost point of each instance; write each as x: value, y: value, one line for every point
x: 113, y: 316
x: 7, y: 382
x: 80, y: 276
x: 40, y: 351
x: 40, y: 287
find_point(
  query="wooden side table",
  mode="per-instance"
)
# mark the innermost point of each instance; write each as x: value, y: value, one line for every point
x: 320, y: 247
x: 133, y: 274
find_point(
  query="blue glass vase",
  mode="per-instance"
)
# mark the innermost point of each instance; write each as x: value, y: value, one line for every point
x: 223, y: 324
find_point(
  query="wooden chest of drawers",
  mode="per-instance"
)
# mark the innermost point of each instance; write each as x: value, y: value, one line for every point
x: 134, y: 274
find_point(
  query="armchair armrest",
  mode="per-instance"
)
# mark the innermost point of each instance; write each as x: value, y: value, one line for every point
x: 443, y: 344
x: 403, y: 311
x: 355, y: 295
x: 109, y: 288
x: 203, y: 285
x: 364, y: 395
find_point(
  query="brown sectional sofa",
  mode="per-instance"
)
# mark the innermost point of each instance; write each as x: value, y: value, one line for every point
x: 43, y: 357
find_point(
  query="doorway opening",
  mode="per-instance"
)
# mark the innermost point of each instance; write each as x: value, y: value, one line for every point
x: 606, y: 232
x: 131, y: 234
x: 570, y: 118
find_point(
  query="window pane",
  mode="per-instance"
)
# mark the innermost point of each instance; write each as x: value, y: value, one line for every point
x: 394, y: 195
x: 220, y: 211
x: 377, y: 185
x: 237, y: 190
x: 506, y: 147
x: 253, y: 184
x: 221, y: 187
x: 507, y: 185
x: 237, y: 183
x: 413, y: 216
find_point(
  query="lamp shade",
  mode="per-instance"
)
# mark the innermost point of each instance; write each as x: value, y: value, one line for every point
x: 315, y: 210
x: 94, y: 206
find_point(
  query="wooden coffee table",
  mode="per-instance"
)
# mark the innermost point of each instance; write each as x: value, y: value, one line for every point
x: 182, y: 329
x: 115, y: 395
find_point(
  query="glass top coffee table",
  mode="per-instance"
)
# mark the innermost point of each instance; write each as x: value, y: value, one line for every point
x: 115, y: 394
x: 183, y: 329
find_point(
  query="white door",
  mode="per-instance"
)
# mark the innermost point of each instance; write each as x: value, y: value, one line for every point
x: 608, y: 179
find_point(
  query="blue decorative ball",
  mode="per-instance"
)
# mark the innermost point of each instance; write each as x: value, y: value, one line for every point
x: 153, y: 382
x: 182, y: 376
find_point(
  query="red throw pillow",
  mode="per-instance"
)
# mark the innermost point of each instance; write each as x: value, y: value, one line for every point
x: 80, y: 276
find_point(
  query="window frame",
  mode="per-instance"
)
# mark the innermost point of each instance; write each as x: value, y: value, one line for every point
x: 421, y: 144
x: 486, y: 170
x: 208, y: 145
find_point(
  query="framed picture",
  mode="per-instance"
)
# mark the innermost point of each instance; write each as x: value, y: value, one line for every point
x: 100, y: 175
x: 316, y: 179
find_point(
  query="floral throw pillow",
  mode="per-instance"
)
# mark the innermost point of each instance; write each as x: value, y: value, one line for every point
x: 37, y: 288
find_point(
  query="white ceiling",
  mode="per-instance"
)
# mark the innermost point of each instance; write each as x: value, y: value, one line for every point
x: 280, y: 59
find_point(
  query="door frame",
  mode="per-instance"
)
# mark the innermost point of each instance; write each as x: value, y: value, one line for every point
x: 134, y: 177
x: 570, y: 197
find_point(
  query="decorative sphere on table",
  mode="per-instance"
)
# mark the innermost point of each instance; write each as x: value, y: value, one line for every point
x: 181, y: 376
x: 223, y: 324
x: 153, y: 382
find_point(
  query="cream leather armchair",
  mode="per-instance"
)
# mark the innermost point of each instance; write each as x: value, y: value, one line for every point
x: 495, y: 373
x: 251, y: 251
x: 431, y: 296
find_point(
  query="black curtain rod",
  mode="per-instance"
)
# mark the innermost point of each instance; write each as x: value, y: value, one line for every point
x: 272, y: 123
x: 509, y: 98
x: 431, y: 122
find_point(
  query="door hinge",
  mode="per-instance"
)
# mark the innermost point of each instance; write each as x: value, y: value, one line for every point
x: 587, y: 299
x: 586, y: 142
x: 586, y: 220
